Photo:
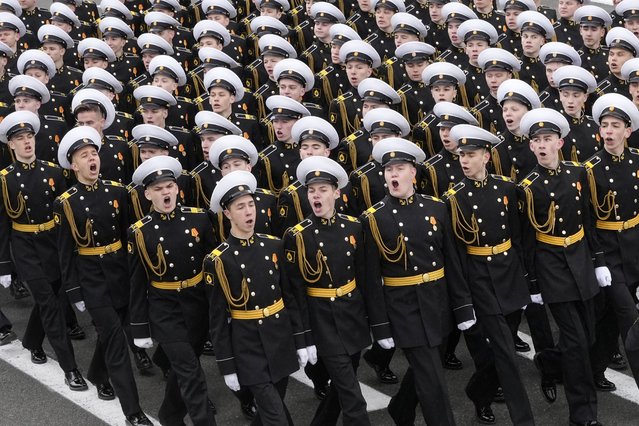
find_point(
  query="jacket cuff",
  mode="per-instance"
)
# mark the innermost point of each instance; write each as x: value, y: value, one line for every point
x: 75, y: 294
x: 463, y: 314
x: 381, y: 331
x: 140, y: 330
x: 300, y: 340
x: 227, y: 366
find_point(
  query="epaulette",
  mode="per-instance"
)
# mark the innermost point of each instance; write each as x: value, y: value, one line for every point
x: 195, y: 70
x: 261, y: 90
x: 301, y: 25
x: 528, y: 180
x: 114, y: 138
x: 343, y: 97
x: 596, y: 159
x: 7, y: 170
x: 455, y: 189
x: 200, y: 167
x: 294, y: 230
x: 131, y: 187
x: 410, y: 8
x: 130, y: 55
x: 267, y: 151
x: 371, y: 37
x: 51, y: 164
x: 191, y: 210
x: 543, y: 96
x: 200, y: 99
x: 372, y: 209
x: 390, y: 61
x: 53, y: 118
x: 633, y: 151
x: 140, y: 223
x: 266, y: 236
x: 311, y: 105
x: 296, y: 10
x: 183, y: 99
x: 326, y: 71
x: 572, y: 163
x: 405, y: 88
x: 483, y: 104
x: 139, y: 78
x: 124, y: 114
x: 602, y: 86
x: 310, y: 49
x: 427, y: 120
x: 293, y: 187
x: 431, y: 198
x: 433, y: 160
x: 112, y: 183
x: 353, y: 136
x: 256, y: 63
x: 501, y: 177
x: 245, y: 116
x: 365, y: 168
x: 68, y: 193
x: 56, y: 93
x: 182, y: 49
x: 177, y: 129
x: 217, y: 251
x: 74, y: 69
x: 347, y: 217
x: 353, y: 18
x: 182, y: 28
x: 264, y: 191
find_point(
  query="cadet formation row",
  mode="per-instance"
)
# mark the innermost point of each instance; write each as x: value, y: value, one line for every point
x: 283, y: 184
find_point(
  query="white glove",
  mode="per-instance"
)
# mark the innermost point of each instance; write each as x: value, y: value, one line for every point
x: 466, y: 324
x: 5, y: 281
x: 312, y: 354
x: 536, y: 298
x: 603, y: 276
x: 145, y: 343
x: 232, y: 382
x: 80, y: 306
x: 302, y: 357
x: 386, y: 343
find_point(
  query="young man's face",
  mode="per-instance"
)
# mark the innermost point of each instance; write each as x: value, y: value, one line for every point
x: 23, y: 144
x: 435, y: 12
x: 592, y: 35
x: 241, y: 213
x: 443, y: 92
x: 567, y: 8
x: 483, y: 5
x: 371, y: 105
x: 403, y: 37
x: 511, y: 19
x: 632, y: 25
x: 291, y: 89
x: 383, y: 17
x: 614, y: 133
x: 546, y: 148
x: 414, y: 69
x: 335, y: 53
x: 364, y: 5
x: 9, y: 37
x: 163, y: 195
x: 269, y: 62
x: 92, y: 119
x: 38, y: 74
x: 221, y: 100
x: 512, y: 112
x: 85, y: 162
x: 399, y: 178
x: 357, y: 71
x: 453, y: 26
x: 313, y: 148
x: 210, y: 42
x: 380, y: 136
x: 616, y: 58
x: 116, y: 43
x: 322, y: 30
x: 474, y: 48
x: 54, y: 50
x: 95, y: 62
x: 147, y: 57
x: 164, y: 81
x: 494, y: 78
x: 282, y: 127
x: 321, y: 197
x: 271, y: 11
x: 155, y: 115
x: 27, y: 103
x: 531, y: 43
x: 449, y: 143
x: 233, y: 164
x: 219, y: 18
x: 207, y: 139
x: 150, y: 151
x: 573, y: 101
x: 633, y: 89
x: 551, y: 67
x: 473, y: 162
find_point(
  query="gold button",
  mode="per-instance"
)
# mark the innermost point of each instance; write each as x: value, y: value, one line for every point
x: 184, y: 284
x: 266, y: 312
x: 425, y: 277
x: 41, y: 227
x: 339, y: 292
x: 108, y: 249
x: 567, y: 241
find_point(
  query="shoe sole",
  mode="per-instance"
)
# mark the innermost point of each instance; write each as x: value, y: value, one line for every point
x: 38, y: 362
x: 83, y: 388
x: 106, y: 398
x: 8, y: 340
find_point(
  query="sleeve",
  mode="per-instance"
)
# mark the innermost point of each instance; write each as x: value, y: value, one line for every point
x: 67, y: 254
x: 5, y: 246
x: 297, y: 285
x: 515, y: 227
x: 292, y: 307
x: 589, y: 221
x: 219, y: 320
x: 138, y: 304
x: 528, y: 242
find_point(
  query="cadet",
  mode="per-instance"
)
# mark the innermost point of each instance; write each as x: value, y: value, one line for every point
x: 5, y: 97
x: 209, y: 33
x: 360, y: 60
x: 115, y: 33
x: 93, y: 218
x: 55, y: 42
x: 36, y: 63
x: 233, y: 152
x: 382, y: 37
x: 566, y: 27
x: 296, y: 80
x: 151, y: 45
x: 478, y: 36
x: 275, y: 170
x: 209, y: 126
x: 628, y: 11
x: 92, y: 108
x: 29, y: 188
x: 404, y: 226
x: 34, y: 17
x: 629, y: 74
x: 63, y: 17
x: 438, y: 30
x: 12, y: 29
x: 493, y: 266
x: 362, y: 18
x: 255, y: 321
x: 168, y: 296
x: 575, y: 84
x: 224, y: 13
x: 210, y: 58
x: 564, y: 262
x: 555, y: 55
x: 95, y: 53
x: 168, y: 74
x: 454, y: 14
x: 261, y: 26
x: 416, y: 97
x: 324, y: 15
x: 486, y: 12
x: 593, y: 24
x: 622, y: 46
x: 326, y: 269
x: 510, y: 39
x: 170, y: 30
x: 29, y: 94
x: 535, y: 30
x: 611, y: 178
x: 447, y: 83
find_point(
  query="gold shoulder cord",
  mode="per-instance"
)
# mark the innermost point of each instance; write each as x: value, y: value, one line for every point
x: 428, y: 140
x: 461, y: 225
x: 269, y: 175
x: 135, y: 153
x: 200, y: 191
x: 220, y: 224
x: 137, y: 207
x: 464, y: 95
x: 534, y: 85
x: 573, y: 153
x: 12, y: 212
x: 80, y: 240
x: 310, y: 274
x: 261, y: 107
x: 546, y: 227
x: 494, y: 155
x: 197, y: 80
x: 352, y: 152
x: 234, y: 302
x: 404, y: 103
x: 433, y: 178
x: 366, y: 191
x: 603, y: 210
x: 513, y: 172
x: 344, y: 117
x: 159, y: 268
x: 298, y: 206
x: 394, y: 255
x: 326, y: 86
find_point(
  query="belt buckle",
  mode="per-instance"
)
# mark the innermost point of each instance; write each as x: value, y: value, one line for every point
x: 266, y: 312
x: 339, y: 292
x: 494, y: 249
x: 625, y: 225
x: 108, y: 249
x: 184, y: 284
x: 425, y: 277
x: 567, y: 241
x: 41, y: 227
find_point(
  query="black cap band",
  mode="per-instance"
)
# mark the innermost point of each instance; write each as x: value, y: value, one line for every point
x: 81, y: 143
x: 284, y: 113
x: 34, y: 63
x: 20, y: 128
x: 622, y: 44
x: 95, y: 53
x: 50, y: 38
x: 397, y: 156
x: 212, y: 128
x: 292, y: 75
x: 154, y: 102
x: 223, y: 84
x: 497, y: 65
x: 152, y: 140
x: 543, y: 127
x: 158, y: 176
x: 234, y: 193
x: 359, y: 56
x: 274, y: 50
x: 233, y: 153
x: 57, y: 16
x: 312, y: 134
x: 384, y: 127
x: 318, y: 176
x: 514, y: 96
x: 28, y: 92
x: 617, y: 113
x: 573, y: 83
x: 95, y: 83
x: 166, y: 71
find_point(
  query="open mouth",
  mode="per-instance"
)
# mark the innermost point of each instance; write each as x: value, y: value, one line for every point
x: 394, y: 184
x: 93, y: 168
x: 317, y: 205
x: 249, y: 222
x: 542, y: 154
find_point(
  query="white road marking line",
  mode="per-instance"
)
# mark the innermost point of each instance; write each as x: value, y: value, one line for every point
x: 51, y: 375
x: 375, y: 400
x: 626, y: 386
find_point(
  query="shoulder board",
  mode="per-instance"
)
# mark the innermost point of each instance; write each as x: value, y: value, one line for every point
x: 183, y: 99
x: 183, y: 28
x: 543, y: 96
x: 326, y: 71
x: 264, y: 191
x: 245, y: 116
x: 603, y: 85
x: 390, y: 61
x: 294, y: 230
x: 572, y: 163
x: 197, y: 169
x: 344, y: 96
x: 131, y: 187
x: 217, y: 251
x: 267, y: 151
x: 528, y: 180
x: 433, y: 160
x: 348, y: 218
x: 191, y: 210
x: 371, y: 37
x: 50, y: 164
x: 633, y: 151
x: 301, y: 26
x: 365, y: 168
x: 114, y: 138
x: 431, y: 198
x: 427, y: 120
x: 74, y: 69
x: 354, y: 135
x: 293, y: 187
x: 372, y: 209
x: 594, y: 160
x: 297, y: 10
x: 256, y: 63
x: 68, y: 193
x: 483, y: 104
x: 178, y: 129
x: 53, y: 118
x: 139, y: 78
x: 140, y: 223
x: 124, y: 114
x: 261, y: 90
x: 456, y: 188
x: 311, y: 105
x: 405, y: 88
x: 59, y: 94
x: 500, y: 177
x: 130, y: 55
x: 6, y: 170
x: 112, y: 183
x: 182, y: 49
x: 410, y: 8
x: 353, y: 18
x: 200, y: 99
x: 310, y: 49
x: 266, y: 236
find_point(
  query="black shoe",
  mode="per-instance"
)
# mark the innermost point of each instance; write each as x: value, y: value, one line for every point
x: 384, y: 374
x: 7, y: 337
x: 485, y: 415
x: 520, y: 345
x: 249, y: 410
x: 499, y: 395
x: 75, y: 381
x: 76, y: 332
x: 451, y: 362
x: 208, y: 349
x: 142, y: 360
x: 586, y: 423
x: 321, y: 390
x: 618, y: 362
x: 18, y: 290
x: 212, y: 408
x: 604, y: 385
x: 548, y: 386
x: 138, y: 419
x: 105, y: 391
x: 38, y: 356
x: 165, y: 373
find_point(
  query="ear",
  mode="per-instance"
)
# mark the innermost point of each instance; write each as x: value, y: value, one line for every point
x: 75, y: 167
x: 147, y: 194
x: 628, y: 132
x: 11, y: 144
x: 560, y: 143
x: 227, y: 214
x: 337, y: 194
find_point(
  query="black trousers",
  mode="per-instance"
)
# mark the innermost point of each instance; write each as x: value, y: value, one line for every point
x: 344, y: 395
x: 5, y: 324
x: 111, y: 357
x: 571, y: 359
x: 538, y: 324
x: 47, y: 318
x: 380, y: 356
x: 271, y: 409
x: 317, y: 373
x: 185, y: 390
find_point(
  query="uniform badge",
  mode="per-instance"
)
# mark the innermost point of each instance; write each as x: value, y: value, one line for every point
x: 290, y: 256
x: 208, y: 278
x: 283, y: 211
x: 333, y: 117
x: 352, y: 240
x: 129, y: 248
x: 116, y: 205
x: 274, y: 258
x: 56, y: 218
x: 195, y: 234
